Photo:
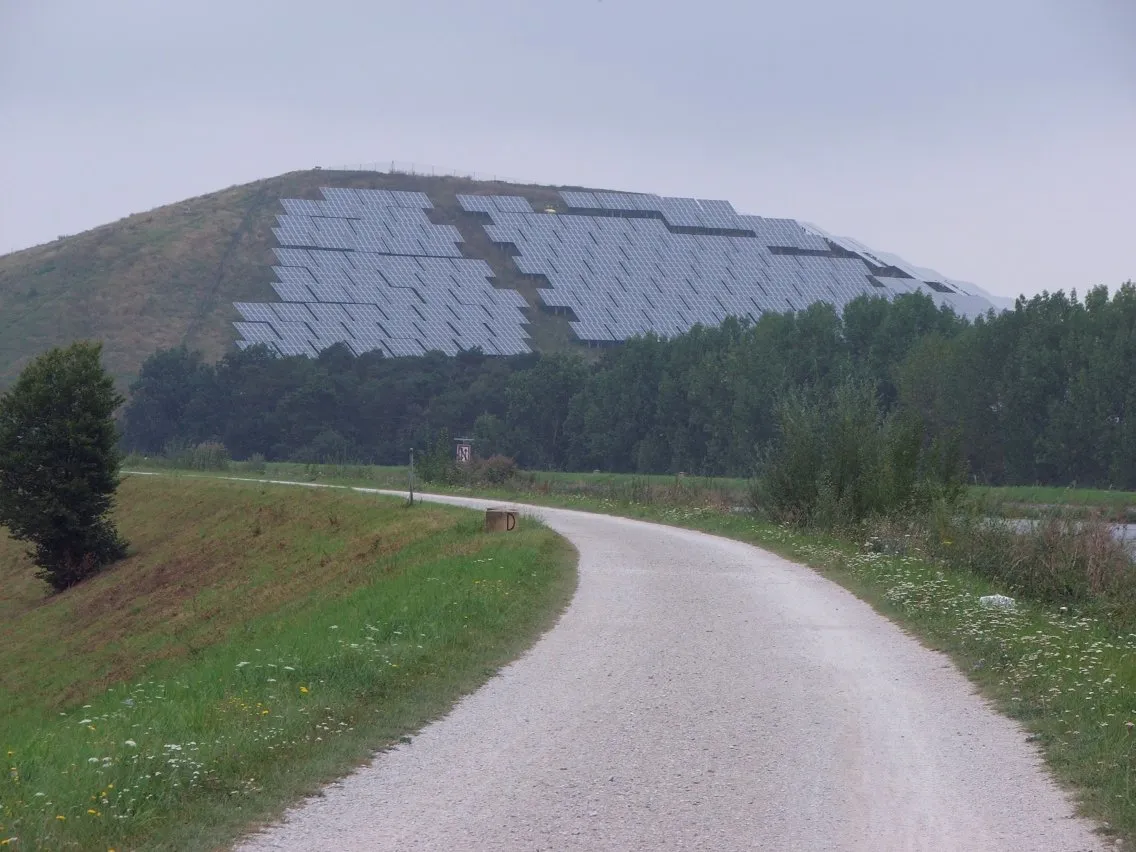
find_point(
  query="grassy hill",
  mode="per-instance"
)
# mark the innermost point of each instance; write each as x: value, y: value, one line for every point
x: 170, y: 276
x: 258, y: 641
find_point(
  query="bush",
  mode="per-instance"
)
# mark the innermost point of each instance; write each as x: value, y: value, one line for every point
x: 253, y: 464
x: 210, y: 455
x: 437, y: 464
x: 495, y: 470
x: 839, y: 459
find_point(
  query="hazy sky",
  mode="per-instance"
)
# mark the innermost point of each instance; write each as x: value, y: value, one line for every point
x: 993, y: 140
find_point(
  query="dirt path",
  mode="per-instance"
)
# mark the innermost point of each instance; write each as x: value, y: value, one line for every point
x: 700, y: 693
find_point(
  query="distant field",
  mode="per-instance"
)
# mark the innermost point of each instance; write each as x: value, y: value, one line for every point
x: 670, y: 489
x: 1119, y: 503
x: 621, y: 485
x: 258, y: 642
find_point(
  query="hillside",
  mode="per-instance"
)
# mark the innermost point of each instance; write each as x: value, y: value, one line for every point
x: 169, y: 276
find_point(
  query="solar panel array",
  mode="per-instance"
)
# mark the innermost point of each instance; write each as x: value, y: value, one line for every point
x: 627, y: 264
x: 368, y: 268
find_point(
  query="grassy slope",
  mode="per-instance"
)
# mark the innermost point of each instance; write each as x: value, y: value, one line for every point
x: 169, y: 276
x: 256, y: 643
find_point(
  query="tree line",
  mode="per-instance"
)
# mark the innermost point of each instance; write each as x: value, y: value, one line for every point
x: 1044, y: 393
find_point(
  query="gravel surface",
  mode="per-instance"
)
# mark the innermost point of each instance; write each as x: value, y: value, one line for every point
x: 700, y: 693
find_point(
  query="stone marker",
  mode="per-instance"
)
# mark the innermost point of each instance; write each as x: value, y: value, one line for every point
x: 500, y: 520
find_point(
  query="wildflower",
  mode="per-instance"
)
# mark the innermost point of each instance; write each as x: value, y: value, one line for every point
x: 242, y: 664
x: 130, y: 743
x: 61, y: 818
x: 304, y: 690
x: 85, y: 721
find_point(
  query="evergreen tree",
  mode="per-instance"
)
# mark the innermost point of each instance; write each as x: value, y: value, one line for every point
x: 59, y: 464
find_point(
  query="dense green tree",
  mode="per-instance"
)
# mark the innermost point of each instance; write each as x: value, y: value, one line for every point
x: 537, y: 405
x: 59, y: 464
x: 1045, y: 392
x: 159, y: 397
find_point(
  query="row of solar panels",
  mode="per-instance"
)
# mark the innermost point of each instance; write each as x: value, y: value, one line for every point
x: 622, y: 274
x: 394, y: 231
x: 367, y: 268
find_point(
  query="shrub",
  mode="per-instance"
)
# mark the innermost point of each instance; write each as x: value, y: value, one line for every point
x: 839, y: 459
x: 495, y: 470
x: 210, y: 455
x: 254, y: 464
x: 437, y: 464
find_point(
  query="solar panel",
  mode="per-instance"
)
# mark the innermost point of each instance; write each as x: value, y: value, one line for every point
x: 366, y: 267
x: 622, y: 276
x: 369, y: 268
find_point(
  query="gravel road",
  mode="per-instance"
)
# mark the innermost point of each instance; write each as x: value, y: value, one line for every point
x: 700, y: 693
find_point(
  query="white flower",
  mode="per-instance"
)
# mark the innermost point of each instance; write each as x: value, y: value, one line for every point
x: 131, y: 743
x: 84, y: 721
x: 242, y: 664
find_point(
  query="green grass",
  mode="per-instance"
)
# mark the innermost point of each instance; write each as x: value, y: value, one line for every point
x: 1028, y: 499
x: 258, y: 642
x: 630, y: 488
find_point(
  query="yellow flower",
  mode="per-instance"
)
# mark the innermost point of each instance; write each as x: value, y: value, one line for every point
x: 93, y: 812
x: 61, y: 818
x: 304, y: 689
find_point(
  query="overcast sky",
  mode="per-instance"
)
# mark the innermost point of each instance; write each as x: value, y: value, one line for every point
x: 992, y: 140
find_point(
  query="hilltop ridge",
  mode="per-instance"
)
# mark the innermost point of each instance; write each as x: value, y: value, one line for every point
x: 169, y: 276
